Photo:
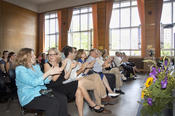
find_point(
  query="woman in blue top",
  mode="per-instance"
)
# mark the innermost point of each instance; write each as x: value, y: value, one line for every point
x: 30, y: 81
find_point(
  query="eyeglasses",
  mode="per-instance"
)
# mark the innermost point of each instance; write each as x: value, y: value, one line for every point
x: 52, y: 54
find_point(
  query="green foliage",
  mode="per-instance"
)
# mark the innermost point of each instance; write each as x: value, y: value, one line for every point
x: 161, y: 98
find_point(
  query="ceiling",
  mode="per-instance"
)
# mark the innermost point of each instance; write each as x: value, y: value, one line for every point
x: 37, y: 2
x: 48, y: 5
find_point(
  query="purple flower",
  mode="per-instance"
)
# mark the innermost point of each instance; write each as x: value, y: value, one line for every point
x: 153, y: 73
x: 166, y: 62
x: 149, y: 100
x: 164, y: 83
x: 159, y: 70
x: 163, y: 67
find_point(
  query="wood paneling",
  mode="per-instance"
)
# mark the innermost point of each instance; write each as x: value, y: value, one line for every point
x: 41, y: 30
x: 150, y: 14
x: 18, y: 28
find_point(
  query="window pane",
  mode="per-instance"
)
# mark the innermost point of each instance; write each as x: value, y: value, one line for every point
x: 135, y: 20
x: 166, y: 13
x: 46, y: 43
x: 84, y: 22
x: 165, y: 53
x: 125, y: 3
x: 57, y: 26
x: 173, y: 38
x: 85, y: 41
x: 90, y: 9
x: 76, y: 40
x: 125, y: 39
x: 53, y: 15
x: 52, y: 41
x: 46, y: 26
x: 134, y: 2
x: 76, y: 11
x: 46, y: 16
x: 134, y: 39
x: 167, y: 39
x: 114, y: 19
x: 90, y: 22
x: 173, y: 12
x: 135, y: 53
x: 125, y: 17
x: 75, y: 23
x: 112, y: 53
x: 115, y: 5
x: 115, y: 39
x: 52, y: 26
x: 84, y: 10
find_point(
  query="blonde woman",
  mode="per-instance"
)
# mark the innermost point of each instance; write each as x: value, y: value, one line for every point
x: 72, y: 89
x: 31, y: 82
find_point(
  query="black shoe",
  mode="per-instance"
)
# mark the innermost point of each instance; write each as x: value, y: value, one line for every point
x: 106, y: 111
x: 119, y: 91
x: 96, y: 110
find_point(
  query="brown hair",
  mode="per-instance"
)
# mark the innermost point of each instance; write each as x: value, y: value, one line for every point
x: 79, y: 53
x: 24, y: 57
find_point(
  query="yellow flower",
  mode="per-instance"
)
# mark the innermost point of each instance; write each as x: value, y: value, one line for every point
x: 149, y: 81
x: 143, y: 94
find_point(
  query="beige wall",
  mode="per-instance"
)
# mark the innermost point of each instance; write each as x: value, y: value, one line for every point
x: 18, y: 28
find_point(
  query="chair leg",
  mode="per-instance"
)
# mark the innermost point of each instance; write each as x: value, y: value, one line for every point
x: 38, y: 114
x: 22, y: 112
x: 8, y: 104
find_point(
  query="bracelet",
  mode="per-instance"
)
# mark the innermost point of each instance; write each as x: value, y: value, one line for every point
x: 50, y: 77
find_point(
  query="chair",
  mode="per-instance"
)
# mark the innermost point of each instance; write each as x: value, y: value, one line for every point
x: 25, y: 111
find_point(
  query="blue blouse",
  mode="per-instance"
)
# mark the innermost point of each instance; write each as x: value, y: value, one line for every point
x: 29, y: 82
x: 81, y: 61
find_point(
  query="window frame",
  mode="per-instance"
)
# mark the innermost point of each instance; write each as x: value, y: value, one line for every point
x: 89, y: 30
x: 56, y: 33
x: 130, y: 27
x: 172, y: 49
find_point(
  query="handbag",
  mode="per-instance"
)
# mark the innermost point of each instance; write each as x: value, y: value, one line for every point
x: 47, y: 92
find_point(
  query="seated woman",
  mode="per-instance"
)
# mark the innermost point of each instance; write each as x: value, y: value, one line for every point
x: 71, y: 89
x: 30, y: 82
x: 81, y: 57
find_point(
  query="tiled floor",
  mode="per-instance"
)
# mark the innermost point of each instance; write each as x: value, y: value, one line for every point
x: 126, y: 105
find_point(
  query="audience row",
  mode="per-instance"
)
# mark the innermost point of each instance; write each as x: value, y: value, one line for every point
x: 49, y: 81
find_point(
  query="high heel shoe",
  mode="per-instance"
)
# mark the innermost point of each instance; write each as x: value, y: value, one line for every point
x: 96, y: 110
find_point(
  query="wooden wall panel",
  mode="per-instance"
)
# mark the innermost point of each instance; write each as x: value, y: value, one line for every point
x: 18, y: 28
x: 150, y: 15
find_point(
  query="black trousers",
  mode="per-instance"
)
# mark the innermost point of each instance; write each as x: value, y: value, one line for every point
x: 53, y: 106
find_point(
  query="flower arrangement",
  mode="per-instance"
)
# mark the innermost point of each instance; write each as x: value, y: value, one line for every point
x: 157, y: 91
